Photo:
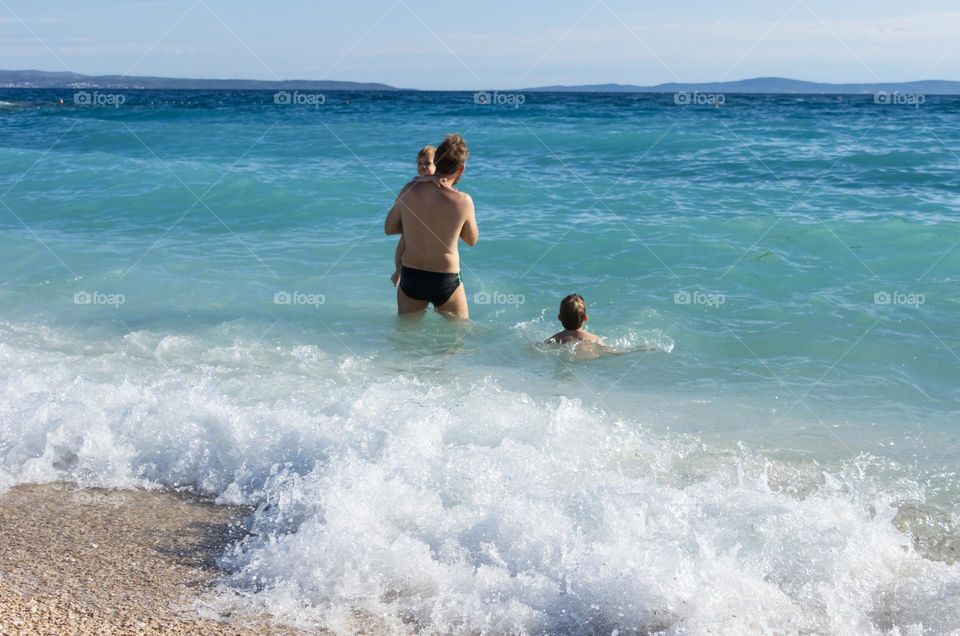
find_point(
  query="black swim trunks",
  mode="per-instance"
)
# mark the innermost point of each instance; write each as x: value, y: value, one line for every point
x: 434, y: 287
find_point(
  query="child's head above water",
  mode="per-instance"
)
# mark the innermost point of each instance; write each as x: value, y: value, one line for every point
x: 573, y: 312
x: 425, y: 158
x: 573, y: 315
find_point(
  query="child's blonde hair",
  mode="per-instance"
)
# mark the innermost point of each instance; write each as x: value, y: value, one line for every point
x: 427, y: 151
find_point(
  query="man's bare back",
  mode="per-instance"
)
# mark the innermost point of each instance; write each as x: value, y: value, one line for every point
x: 433, y: 217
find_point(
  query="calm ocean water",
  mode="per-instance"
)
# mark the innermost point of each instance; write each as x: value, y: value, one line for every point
x: 196, y: 295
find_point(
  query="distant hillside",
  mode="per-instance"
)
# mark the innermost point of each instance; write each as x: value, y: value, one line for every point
x: 759, y: 85
x: 44, y: 79
x: 767, y: 85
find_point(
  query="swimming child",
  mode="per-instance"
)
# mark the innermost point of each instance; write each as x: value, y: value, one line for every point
x: 573, y: 316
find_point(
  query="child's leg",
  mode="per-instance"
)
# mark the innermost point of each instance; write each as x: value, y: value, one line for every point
x: 397, y: 260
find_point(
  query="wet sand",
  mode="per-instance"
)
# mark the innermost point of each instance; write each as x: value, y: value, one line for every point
x: 95, y: 561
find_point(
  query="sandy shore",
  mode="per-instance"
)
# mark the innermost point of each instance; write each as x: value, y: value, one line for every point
x: 111, y: 562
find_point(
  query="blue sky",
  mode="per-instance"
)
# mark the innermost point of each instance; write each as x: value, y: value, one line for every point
x: 491, y: 44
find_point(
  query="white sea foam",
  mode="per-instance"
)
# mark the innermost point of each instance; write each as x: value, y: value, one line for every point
x: 627, y: 340
x: 462, y: 507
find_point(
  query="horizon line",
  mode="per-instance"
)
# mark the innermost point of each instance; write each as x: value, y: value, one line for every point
x: 132, y: 78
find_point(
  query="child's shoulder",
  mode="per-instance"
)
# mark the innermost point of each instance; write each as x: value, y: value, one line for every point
x: 568, y: 335
x: 586, y: 336
x: 560, y: 337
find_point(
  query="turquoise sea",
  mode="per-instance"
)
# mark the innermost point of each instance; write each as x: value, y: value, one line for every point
x: 196, y: 296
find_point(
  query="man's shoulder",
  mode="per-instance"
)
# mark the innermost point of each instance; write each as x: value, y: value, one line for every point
x: 463, y: 199
x: 459, y: 198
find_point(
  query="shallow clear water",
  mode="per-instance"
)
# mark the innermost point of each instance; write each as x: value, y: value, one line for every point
x: 783, y: 458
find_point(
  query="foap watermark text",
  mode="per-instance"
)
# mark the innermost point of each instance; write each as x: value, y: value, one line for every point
x: 496, y: 98
x: 897, y: 98
x: 498, y: 298
x: 909, y: 299
x: 686, y: 98
x: 86, y: 98
x: 296, y: 98
x: 706, y: 299
x: 99, y: 298
x: 299, y: 298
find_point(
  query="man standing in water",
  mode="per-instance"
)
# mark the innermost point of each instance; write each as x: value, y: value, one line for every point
x: 433, y: 217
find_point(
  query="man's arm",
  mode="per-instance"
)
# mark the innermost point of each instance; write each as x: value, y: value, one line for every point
x: 393, y: 224
x: 470, y: 233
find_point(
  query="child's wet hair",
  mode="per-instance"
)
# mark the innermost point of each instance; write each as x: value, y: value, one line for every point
x: 573, y: 311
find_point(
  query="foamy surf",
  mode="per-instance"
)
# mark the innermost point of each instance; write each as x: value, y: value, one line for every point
x: 461, y: 506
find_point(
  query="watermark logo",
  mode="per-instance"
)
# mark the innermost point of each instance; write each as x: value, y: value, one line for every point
x: 496, y: 98
x: 298, y: 298
x: 899, y: 298
x: 498, y: 298
x: 706, y: 299
x: 296, y: 98
x: 686, y: 98
x: 99, y: 298
x: 86, y: 98
x: 897, y: 98
x: 92, y: 496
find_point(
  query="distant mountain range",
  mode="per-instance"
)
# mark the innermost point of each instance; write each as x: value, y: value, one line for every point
x: 759, y: 85
x: 45, y: 79
x: 767, y: 85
